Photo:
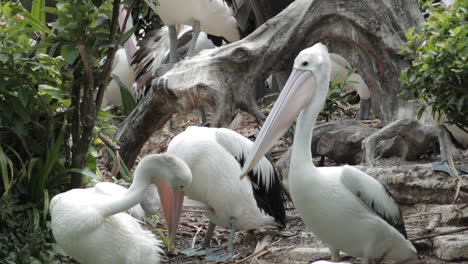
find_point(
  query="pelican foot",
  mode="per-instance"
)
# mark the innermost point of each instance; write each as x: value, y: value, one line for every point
x: 200, y: 251
x: 219, y: 255
x: 444, y: 167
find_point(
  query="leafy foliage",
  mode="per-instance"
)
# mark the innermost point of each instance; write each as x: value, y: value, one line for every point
x: 438, y: 76
x: 42, y: 78
x: 23, y: 237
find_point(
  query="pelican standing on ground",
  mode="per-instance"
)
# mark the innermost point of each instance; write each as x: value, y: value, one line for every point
x: 344, y: 207
x: 214, y: 17
x: 91, y: 228
x: 215, y: 157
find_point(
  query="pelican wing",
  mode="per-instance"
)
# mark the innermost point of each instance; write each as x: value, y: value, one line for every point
x: 265, y: 180
x: 147, y: 58
x: 374, y: 195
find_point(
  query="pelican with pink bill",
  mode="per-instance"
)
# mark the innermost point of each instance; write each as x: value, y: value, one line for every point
x: 344, y: 207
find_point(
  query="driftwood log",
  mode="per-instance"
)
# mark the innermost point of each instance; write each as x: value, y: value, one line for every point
x: 367, y: 33
x: 343, y: 145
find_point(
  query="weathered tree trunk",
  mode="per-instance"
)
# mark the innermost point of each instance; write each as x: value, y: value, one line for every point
x: 367, y: 33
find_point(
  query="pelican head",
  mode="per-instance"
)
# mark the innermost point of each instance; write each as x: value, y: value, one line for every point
x: 173, y: 177
x: 304, y: 88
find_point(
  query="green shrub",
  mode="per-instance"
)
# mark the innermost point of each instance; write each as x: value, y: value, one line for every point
x: 438, y: 75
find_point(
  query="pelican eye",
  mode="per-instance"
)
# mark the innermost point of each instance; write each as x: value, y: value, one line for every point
x: 181, y: 187
x: 305, y: 63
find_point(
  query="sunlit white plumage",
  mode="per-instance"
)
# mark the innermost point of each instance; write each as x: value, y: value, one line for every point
x: 121, y: 69
x: 340, y: 68
x: 112, y: 189
x: 214, y: 17
x: 346, y: 208
x: 90, y: 226
x: 212, y: 155
x: 215, y: 157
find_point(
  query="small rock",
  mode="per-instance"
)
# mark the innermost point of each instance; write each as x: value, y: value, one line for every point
x: 451, y: 247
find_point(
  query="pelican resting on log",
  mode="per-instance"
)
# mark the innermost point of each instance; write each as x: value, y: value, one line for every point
x: 215, y: 157
x: 343, y: 206
x: 214, y: 17
x: 92, y: 227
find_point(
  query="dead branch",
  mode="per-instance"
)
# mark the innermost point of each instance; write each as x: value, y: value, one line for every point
x: 459, y: 230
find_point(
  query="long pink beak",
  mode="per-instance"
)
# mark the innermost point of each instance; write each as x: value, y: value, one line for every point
x: 171, y: 203
x: 295, y: 96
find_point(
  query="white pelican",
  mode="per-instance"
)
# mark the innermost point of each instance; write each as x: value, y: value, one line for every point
x: 121, y: 69
x: 90, y: 227
x: 340, y: 68
x: 214, y: 17
x: 113, y: 189
x: 346, y: 208
x: 215, y: 157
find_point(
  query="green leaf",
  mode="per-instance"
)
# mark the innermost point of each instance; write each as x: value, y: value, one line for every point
x: 34, y: 22
x: 38, y: 11
x: 3, y: 58
x: 69, y: 53
x: 128, y: 101
x: 460, y: 102
x: 97, y: 3
x: 46, y: 205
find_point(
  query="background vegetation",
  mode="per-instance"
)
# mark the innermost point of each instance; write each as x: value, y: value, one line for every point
x: 52, y: 79
x: 438, y: 76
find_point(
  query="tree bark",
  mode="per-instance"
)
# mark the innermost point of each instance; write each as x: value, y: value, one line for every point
x: 367, y: 33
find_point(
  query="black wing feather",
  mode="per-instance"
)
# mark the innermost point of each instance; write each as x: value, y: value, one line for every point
x: 397, y: 223
x: 272, y: 202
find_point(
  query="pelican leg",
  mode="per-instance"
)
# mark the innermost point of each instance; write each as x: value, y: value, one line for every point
x: 335, y: 254
x: 193, y: 43
x: 173, y: 58
x: 364, y: 109
x: 221, y: 254
x: 205, y: 244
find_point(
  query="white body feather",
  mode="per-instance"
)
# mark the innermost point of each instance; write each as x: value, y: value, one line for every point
x: 84, y: 234
x: 121, y: 69
x: 210, y: 154
x: 335, y: 214
x: 215, y: 16
x: 339, y: 70
x: 112, y: 189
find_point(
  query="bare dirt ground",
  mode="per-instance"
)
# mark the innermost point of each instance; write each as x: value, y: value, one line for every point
x: 280, y: 243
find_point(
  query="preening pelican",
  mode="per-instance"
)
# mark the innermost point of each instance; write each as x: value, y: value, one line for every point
x: 340, y: 68
x: 344, y: 207
x: 113, y: 189
x: 91, y: 228
x: 214, y: 17
x: 215, y: 157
